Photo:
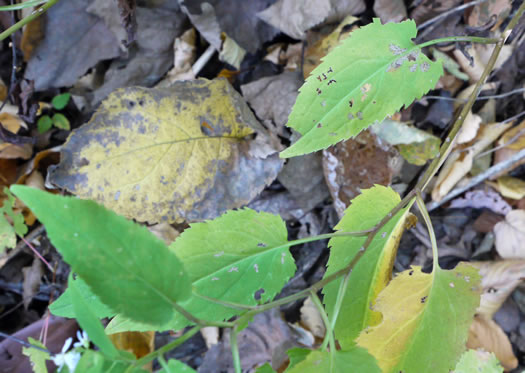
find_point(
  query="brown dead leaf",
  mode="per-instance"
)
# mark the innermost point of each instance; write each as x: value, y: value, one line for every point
x: 357, y: 164
x: 469, y: 129
x: 514, y: 138
x: 311, y: 318
x: 486, y: 221
x: 210, y: 334
x: 460, y: 160
x: 481, y: 14
x: 486, y: 334
x: 165, y: 232
x: 32, y: 280
x: 3, y: 90
x: 481, y: 54
x: 499, y: 279
x: 390, y: 10
x: 427, y: 9
x: 138, y: 343
x: 184, y: 53
x: 32, y: 36
x: 510, y: 235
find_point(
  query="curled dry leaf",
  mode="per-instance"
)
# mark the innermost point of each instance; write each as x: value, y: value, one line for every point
x: 481, y: 54
x: 481, y: 14
x: 509, y: 187
x: 32, y: 280
x: 486, y: 334
x: 184, y: 55
x: 390, y: 10
x: 165, y: 232
x: 499, y: 279
x: 469, y: 129
x: 510, y: 235
x: 138, y: 343
x: 311, y: 318
x: 357, y: 164
x: 483, y: 198
x: 509, y: 144
x: 460, y: 161
x: 169, y: 155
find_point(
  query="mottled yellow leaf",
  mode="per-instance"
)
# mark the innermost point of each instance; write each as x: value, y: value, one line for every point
x: 168, y: 155
x: 425, y: 320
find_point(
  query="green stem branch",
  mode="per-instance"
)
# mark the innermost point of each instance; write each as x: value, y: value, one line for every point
x: 235, y: 350
x: 329, y: 331
x: 428, y: 223
x: 35, y: 14
x: 450, y: 39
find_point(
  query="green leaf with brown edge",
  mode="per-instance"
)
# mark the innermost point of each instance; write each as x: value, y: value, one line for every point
x: 125, y: 265
x: 168, y: 155
x: 426, y: 318
x: 373, y: 271
x: 372, y: 74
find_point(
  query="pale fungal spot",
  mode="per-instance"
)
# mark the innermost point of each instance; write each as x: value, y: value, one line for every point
x: 362, y: 248
x: 215, y: 279
x: 137, y: 187
x: 333, y: 134
x: 350, y: 116
x: 467, y: 278
x: 452, y: 285
x: 359, y: 115
x: 256, y: 267
x: 66, y: 206
x: 395, y: 49
x: 233, y: 269
x: 283, y: 255
x: 75, y: 234
x: 117, y: 195
x: 425, y: 66
x: 323, y: 103
x: 383, y: 235
x: 219, y: 254
x: 413, y: 68
x: 366, y: 87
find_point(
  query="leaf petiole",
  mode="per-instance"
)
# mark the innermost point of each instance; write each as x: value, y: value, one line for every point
x: 428, y: 223
x: 235, y: 350
x: 451, y: 39
x: 329, y: 332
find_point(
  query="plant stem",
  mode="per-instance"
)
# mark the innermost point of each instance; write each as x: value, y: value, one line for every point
x: 450, y: 39
x: 23, y: 5
x: 329, y: 331
x: 446, y: 147
x: 235, y: 350
x: 170, y: 346
x: 339, y: 300
x: 431, y: 234
x: 29, y: 18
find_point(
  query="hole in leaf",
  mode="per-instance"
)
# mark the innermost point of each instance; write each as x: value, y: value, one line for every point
x: 258, y: 294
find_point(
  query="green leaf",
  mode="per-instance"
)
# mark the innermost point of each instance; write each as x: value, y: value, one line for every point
x: 266, y: 368
x: 60, y: 101
x: 230, y: 258
x: 60, y: 121
x: 24, y: 5
x: 63, y: 306
x: 471, y: 361
x: 129, y: 269
x: 296, y: 355
x: 372, y: 74
x: 90, y: 323
x: 95, y: 362
x: 8, y: 232
x: 354, y: 360
x: 426, y: 318
x: 37, y: 357
x: 374, y: 269
x: 44, y: 123
x: 176, y: 366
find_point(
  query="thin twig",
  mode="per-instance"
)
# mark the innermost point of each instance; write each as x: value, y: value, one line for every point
x: 22, y: 342
x: 494, y: 170
x: 510, y: 142
x: 502, y: 95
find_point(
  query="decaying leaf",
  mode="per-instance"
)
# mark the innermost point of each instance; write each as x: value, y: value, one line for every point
x: 486, y: 334
x: 355, y: 165
x: 169, y: 155
x: 74, y: 42
x: 311, y: 318
x: 510, y: 235
x: 509, y: 144
x: 138, y: 343
x: 416, y: 306
x: 414, y: 145
x: 482, y: 14
x: 390, y: 10
x: 460, y: 160
x: 509, y: 187
x: 499, y: 279
x: 483, y: 198
x: 337, y: 103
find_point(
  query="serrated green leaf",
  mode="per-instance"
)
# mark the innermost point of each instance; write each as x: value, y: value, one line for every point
x: 60, y: 121
x: 63, y: 306
x: 229, y: 258
x: 373, y: 270
x: 8, y: 232
x: 370, y: 75
x: 426, y: 318
x: 266, y: 368
x: 95, y: 362
x: 472, y: 362
x: 354, y: 360
x: 60, y: 101
x: 129, y: 269
x: 89, y: 322
x: 37, y: 357
x: 176, y: 366
x: 296, y: 355
x: 44, y: 123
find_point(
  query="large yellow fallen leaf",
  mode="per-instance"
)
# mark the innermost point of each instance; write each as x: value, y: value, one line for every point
x: 168, y: 155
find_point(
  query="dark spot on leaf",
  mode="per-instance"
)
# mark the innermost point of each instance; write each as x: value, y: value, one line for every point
x: 258, y: 294
x: 331, y: 81
x: 141, y: 102
x: 318, y: 91
x: 410, y: 273
x: 261, y: 244
x: 492, y: 290
x: 131, y: 104
x: 424, y: 299
x: 319, y: 125
x: 359, y: 115
x: 83, y: 162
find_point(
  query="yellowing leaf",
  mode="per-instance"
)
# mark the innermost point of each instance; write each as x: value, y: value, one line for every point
x: 425, y: 320
x: 174, y: 154
x: 138, y: 343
